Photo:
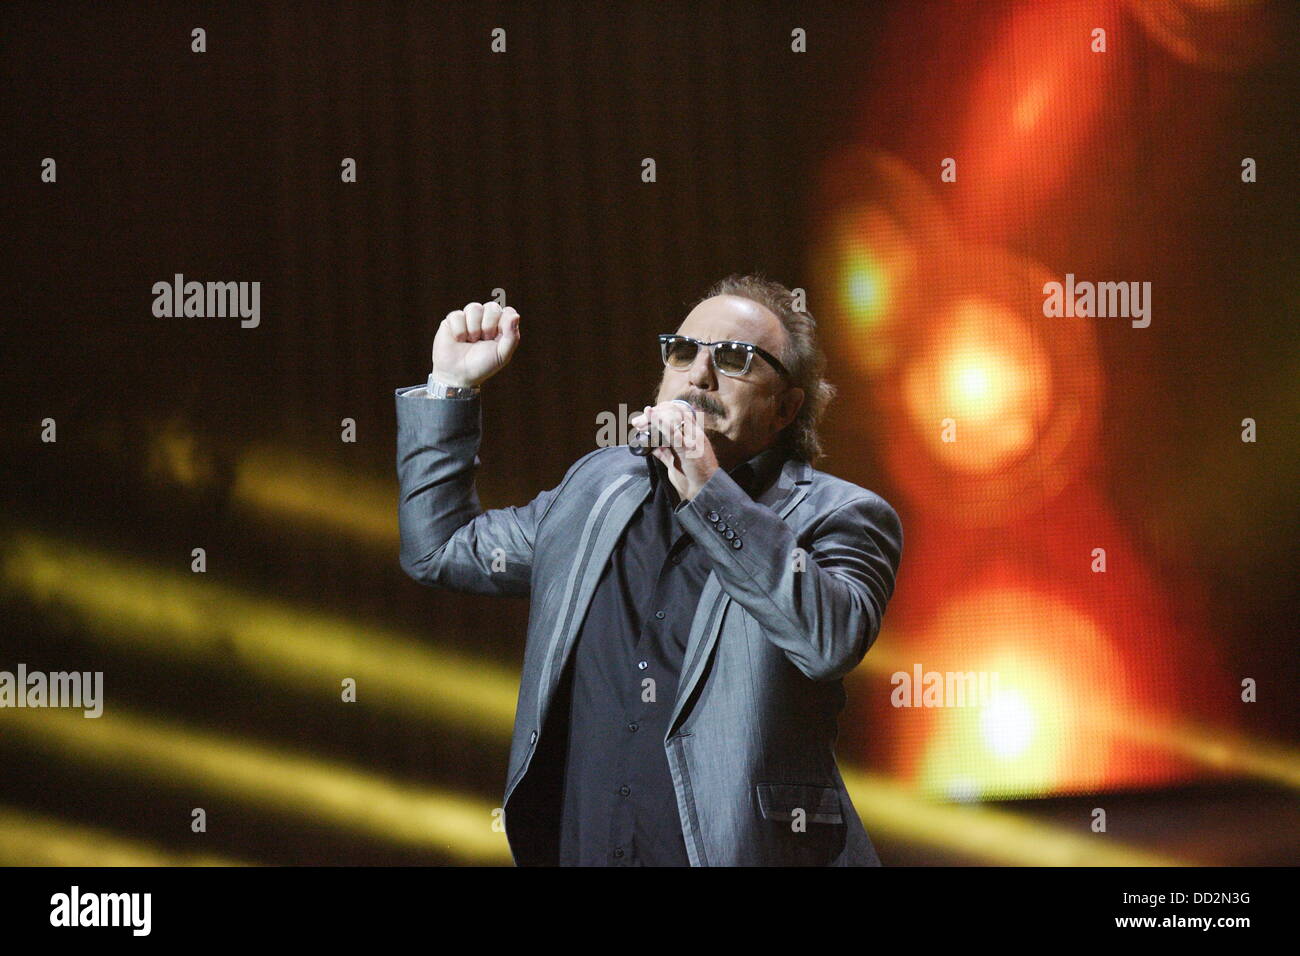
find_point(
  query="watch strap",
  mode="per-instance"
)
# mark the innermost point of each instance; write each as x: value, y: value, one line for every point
x: 441, y: 390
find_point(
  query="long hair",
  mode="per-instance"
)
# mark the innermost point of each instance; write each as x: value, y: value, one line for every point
x: 801, y: 355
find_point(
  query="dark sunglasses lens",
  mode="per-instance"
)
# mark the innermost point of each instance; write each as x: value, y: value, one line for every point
x: 679, y: 353
x: 731, y: 358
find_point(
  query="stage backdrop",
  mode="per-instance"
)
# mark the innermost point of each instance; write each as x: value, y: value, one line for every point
x: 1051, y: 248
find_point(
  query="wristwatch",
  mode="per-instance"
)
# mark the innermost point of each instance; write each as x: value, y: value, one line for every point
x: 439, y: 390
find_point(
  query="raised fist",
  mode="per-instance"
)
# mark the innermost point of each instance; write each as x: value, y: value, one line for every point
x: 474, y: 343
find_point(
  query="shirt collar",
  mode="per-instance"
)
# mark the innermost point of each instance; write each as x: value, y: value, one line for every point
x: 757, y: 473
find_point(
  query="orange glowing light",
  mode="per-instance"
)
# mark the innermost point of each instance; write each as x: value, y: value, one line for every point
x: 885, y: 233
x: 1038, y: 731
x: 978, y: 397
x: 1035, y: 104
x: 1029, y: 108
x: 990, y: 408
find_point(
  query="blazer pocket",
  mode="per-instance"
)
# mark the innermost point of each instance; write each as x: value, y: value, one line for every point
x: 778, y: 801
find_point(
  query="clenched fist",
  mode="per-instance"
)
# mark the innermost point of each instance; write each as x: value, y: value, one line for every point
x: 474, y: 343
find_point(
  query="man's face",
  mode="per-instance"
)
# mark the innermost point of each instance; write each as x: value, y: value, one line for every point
x: 741, y: 415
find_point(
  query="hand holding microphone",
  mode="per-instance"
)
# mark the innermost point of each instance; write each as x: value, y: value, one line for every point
x: 655, y: 430
x: 671, y: 433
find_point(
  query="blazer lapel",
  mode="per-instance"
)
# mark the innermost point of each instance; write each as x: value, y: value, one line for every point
x: 788, y: 490
x: 605, y: 523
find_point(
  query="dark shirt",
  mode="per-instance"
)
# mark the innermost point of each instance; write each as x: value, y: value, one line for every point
x: 617, y: 803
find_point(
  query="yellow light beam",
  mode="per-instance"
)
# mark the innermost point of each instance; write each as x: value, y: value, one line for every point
x: 277, y: 484
x: 985, y: 833
x: 346, y: 798
x: 419, y: 679
x: 1210, y: 747
x: 28, y: 839
x: 291, y: 486
x: 183, y: 615
x: 277, y: 780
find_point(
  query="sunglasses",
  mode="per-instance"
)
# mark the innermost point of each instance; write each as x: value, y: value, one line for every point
x: 729, y: 358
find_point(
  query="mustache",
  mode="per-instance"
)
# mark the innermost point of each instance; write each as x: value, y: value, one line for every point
x: 704, y: 403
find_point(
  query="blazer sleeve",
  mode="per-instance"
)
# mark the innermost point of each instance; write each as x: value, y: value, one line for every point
x: 824, y: 609
x: 447, y: 540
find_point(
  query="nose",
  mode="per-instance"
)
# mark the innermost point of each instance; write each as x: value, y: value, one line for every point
x: 701, y: 373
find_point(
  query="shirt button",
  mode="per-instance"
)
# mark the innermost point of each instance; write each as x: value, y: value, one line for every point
x: 533, y: 738
x: 713, y: 516
x: 625, y: 790
x: 659, y: 615
x: 632, y: 727
x: 641, y: 665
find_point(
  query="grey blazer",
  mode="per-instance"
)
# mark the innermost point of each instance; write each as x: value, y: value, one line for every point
x: 800, y: 581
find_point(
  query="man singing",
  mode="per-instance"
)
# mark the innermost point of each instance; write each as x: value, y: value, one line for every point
x: 693, y: 610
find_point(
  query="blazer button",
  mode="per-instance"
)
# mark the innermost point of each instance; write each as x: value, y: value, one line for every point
x: 721, y: 526
x: 728, y: 534
x: 533, y: 739
x: 712, y: 516
x: 736, y: 543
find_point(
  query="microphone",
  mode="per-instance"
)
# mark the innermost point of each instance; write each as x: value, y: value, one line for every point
x: 643, y: 440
